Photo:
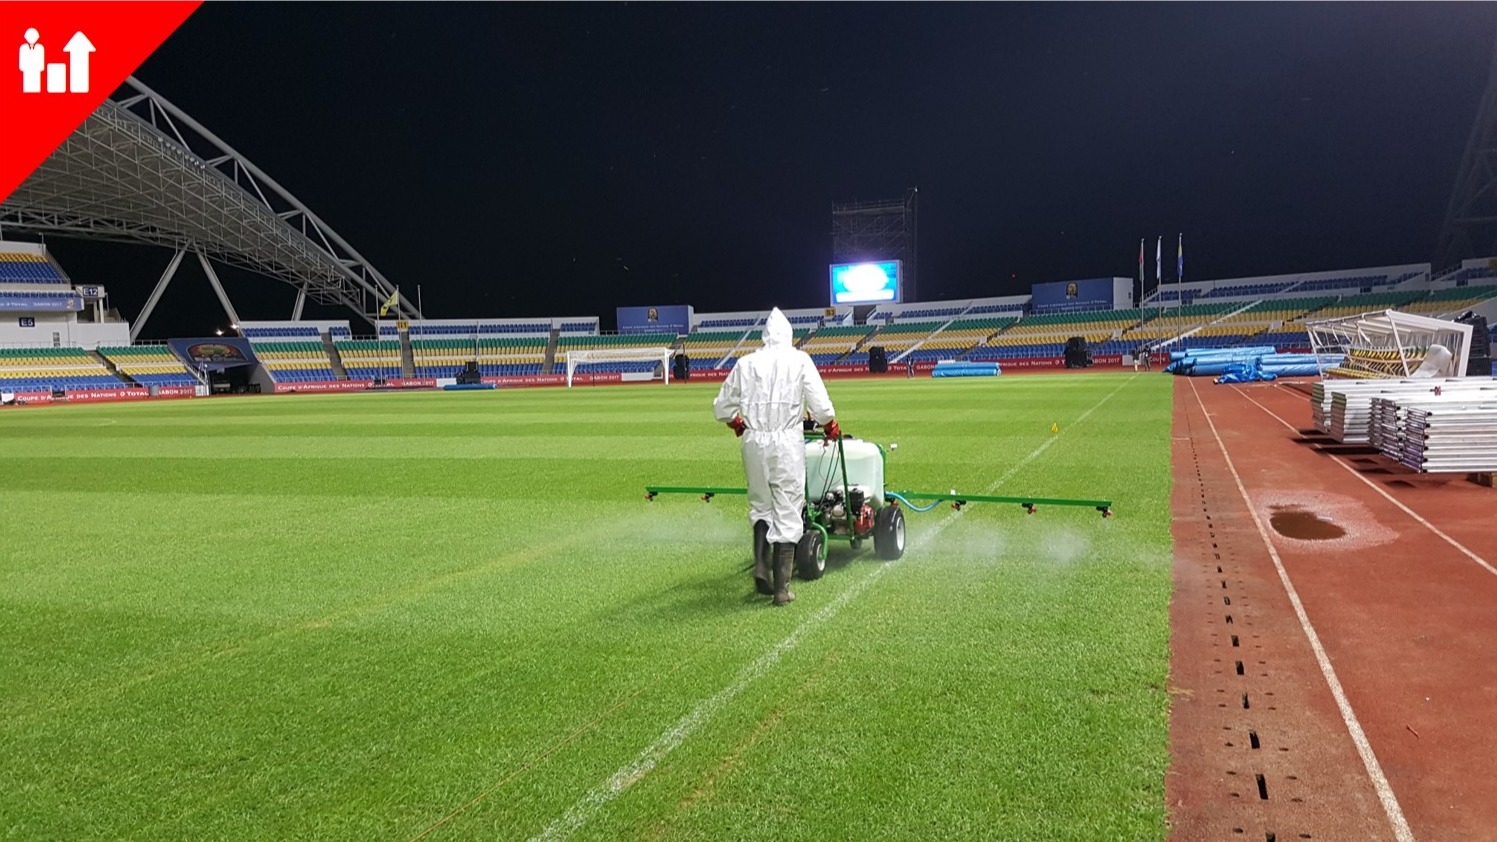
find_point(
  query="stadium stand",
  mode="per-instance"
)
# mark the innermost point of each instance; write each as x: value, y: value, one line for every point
x: 898, y: 338
x: 528, y: 327
x: 1351, y: 305
x: 443, y: 357
x: 28, y: 369
x: 1259, y: 325
x: 1451, y: 302
x: 739, y: 321
x: 149, y: 365
x: 958, y: 338
x: 511, y: 356
x: 706, y: 348
x: 830, y: 345
x: 1163, y: 326
x: 25, y: 268
x: 257, y: 333
x: 1045, y: 335
x: 366, y: 359
x: 294, y: 362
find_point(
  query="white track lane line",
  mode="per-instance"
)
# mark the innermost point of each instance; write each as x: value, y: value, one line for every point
x: 1385, y: 794
x: 1375, y: 487
x: 599, y: 797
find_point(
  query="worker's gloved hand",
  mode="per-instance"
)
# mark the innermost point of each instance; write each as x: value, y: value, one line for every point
x: 738, y: 425
x: 831, y: 429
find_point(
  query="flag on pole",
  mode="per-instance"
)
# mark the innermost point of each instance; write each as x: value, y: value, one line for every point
x: 1180, y: 260
x: 394, y: 299
x: 1158, y: 275
x: 1143, y: 285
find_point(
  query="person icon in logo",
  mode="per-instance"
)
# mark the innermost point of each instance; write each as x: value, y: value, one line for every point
x: 653, y: 315
x: 1071, y: 290
x: 33, y: 62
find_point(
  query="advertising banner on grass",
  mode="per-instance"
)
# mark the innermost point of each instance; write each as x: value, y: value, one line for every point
x: 527, y: 380
x: 1032, y: 362
x: 323, y: 386
x: 23, y: 398
x: 87, y: 395
x: 71, y: 57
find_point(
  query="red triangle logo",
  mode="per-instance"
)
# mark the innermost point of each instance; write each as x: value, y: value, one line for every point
x: 72, y: 56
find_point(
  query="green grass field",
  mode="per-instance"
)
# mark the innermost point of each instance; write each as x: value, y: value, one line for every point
x: 454, y: 616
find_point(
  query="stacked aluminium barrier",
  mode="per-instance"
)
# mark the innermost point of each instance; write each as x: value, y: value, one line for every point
x: 1453, y: 431
x: 1343, y: 408
x: 1456, y: 437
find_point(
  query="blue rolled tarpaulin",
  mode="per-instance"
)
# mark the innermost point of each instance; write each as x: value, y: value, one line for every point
x: 965, y: 369
x: 1244, y: 367
x: 1245, y: 351
x: 1247, y: 372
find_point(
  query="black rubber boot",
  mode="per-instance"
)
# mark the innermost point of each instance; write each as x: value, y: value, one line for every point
x: 784, y: 563
x: 763, y: 559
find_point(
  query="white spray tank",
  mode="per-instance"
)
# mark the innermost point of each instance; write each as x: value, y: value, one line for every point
x: 865, y: 469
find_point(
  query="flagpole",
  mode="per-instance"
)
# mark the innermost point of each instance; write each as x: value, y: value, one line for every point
x: 1158, y: 274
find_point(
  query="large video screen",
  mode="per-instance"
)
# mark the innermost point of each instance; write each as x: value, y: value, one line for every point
x: 867, y: 283
x: 665, y: 318
x: 1073, y: 296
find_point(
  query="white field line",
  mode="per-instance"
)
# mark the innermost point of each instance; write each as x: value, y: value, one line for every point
x: 1385, y: 794
x: 599, y: 797
x: 1379, y: 489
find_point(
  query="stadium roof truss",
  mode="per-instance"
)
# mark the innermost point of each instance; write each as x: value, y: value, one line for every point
x: 140, y: 170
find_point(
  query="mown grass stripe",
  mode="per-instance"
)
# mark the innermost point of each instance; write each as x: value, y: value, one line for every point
x: 599, y: 797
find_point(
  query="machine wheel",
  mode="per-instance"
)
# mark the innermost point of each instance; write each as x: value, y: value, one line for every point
x: 888, y: 533
x: 810, y: 561
x: 762, y: 549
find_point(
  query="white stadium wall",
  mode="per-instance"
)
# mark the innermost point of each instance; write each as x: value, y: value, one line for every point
x: 62, y: 330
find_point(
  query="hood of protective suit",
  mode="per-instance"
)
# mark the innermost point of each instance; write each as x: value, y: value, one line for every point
x: 777, y: 333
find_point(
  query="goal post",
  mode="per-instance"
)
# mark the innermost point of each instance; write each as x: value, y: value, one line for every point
x: 1388, y: 344
x: 658, y: 354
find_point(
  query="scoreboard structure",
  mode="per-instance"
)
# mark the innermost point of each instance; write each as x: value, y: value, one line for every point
x: 873, y: 282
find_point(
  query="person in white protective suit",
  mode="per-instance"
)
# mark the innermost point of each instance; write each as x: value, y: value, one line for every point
x: 764, y: 401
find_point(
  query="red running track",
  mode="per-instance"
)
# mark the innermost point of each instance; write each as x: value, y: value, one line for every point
x: 1333, y: 688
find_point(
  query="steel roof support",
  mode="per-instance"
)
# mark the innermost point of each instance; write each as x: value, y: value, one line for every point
x: 223, y: 297
x: 166, y: 278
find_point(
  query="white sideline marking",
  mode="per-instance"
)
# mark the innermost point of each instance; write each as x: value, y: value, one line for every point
x: 597, y: 798
x: 1375, y: 487
x: 1359, y: 737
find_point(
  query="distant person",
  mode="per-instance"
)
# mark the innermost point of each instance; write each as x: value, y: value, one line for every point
x: 764, y: 400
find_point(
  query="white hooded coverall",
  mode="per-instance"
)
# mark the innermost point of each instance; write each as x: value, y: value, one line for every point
x: 772, y: 388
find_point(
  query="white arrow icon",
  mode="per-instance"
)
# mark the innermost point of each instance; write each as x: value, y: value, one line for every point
x: 78, y: 49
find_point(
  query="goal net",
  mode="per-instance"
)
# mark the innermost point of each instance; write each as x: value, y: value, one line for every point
x: 1389, y: 344
x: 621, y: 355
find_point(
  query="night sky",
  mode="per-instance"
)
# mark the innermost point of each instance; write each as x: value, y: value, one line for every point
x: 525, y: 159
